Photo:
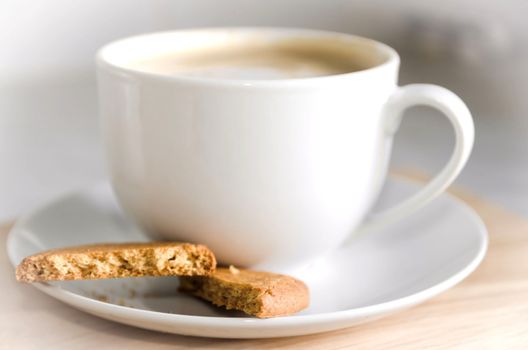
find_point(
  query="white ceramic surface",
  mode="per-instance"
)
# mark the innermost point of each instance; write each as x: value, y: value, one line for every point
x: 377, y: 273
x: 268, y: 173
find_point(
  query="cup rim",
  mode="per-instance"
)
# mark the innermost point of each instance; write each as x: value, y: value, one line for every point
x: 104, y: 62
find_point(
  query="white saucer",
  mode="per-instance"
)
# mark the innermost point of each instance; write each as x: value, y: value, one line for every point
x: 376, y: 274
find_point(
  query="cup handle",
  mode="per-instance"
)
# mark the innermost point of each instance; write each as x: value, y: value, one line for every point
x: 458, y: 114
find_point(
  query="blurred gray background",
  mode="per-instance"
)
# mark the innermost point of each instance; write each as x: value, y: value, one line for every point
x: 49, y: 139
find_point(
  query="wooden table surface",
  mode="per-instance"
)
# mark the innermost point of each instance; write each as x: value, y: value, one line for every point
x: 489, y: 310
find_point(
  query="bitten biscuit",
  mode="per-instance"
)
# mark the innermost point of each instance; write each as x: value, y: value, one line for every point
x: 261, y: 294
x: 116, y: 261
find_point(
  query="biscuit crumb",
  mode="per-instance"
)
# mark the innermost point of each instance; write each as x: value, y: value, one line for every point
x: 233, y: 270
x: 100, y: 297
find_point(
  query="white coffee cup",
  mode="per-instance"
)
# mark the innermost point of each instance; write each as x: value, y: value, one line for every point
x: 268, y: 173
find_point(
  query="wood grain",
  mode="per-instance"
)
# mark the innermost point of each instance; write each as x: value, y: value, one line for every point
x: 489, y: 310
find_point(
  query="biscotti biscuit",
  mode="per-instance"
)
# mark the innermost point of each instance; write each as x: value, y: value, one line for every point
x: 261, y: 294
x: 116, y: 261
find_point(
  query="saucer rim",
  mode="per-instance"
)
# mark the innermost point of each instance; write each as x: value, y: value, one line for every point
x: 95, y: 306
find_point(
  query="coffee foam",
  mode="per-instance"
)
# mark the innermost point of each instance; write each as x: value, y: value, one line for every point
x: 260, y: 60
